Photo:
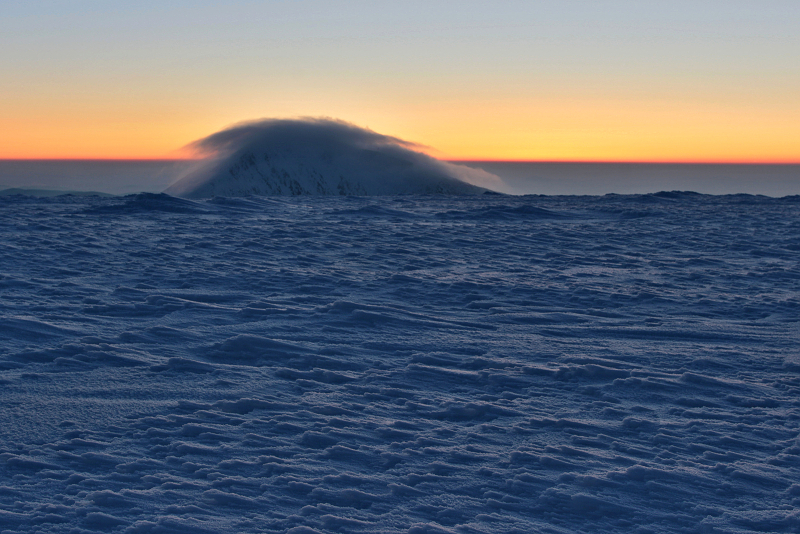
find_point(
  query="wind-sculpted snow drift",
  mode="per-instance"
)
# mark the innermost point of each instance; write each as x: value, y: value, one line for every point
x: 319, y: 157
x: 478, y: 364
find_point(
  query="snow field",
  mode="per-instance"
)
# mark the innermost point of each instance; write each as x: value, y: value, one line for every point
x: 400, y: 364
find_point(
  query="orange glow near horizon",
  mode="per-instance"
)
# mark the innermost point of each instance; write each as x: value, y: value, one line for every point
x: 754, y: 161
x: 91, y: 142
x: 616, y: 131
x: 560, y: 149
x: 543, y: 130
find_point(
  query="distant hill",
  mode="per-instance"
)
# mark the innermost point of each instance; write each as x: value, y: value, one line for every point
x: 49, y: 192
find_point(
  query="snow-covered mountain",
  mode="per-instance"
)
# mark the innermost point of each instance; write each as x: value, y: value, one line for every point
x: 319, y: 157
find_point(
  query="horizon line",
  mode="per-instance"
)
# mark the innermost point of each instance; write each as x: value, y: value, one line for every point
x: 628, y: 161
x: 457, y: 160
x: 100, y: 159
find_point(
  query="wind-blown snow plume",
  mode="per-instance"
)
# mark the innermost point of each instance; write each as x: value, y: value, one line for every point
x: 319, y: 157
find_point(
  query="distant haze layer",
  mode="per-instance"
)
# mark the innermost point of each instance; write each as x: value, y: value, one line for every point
x: 129, y: 176
x: 118, y: 177
x: 562, y: 178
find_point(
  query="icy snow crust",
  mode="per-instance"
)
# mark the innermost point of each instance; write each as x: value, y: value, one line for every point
x: 400, y: 364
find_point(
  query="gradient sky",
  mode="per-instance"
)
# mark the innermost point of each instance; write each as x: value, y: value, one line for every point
x: 558, y: 80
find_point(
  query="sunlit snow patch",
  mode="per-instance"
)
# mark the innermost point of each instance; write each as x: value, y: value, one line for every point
x: 319, y: 157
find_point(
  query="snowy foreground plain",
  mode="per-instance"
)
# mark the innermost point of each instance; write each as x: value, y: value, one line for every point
x: 400, y: 364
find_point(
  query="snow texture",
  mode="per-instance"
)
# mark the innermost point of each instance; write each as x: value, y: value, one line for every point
x: 403, y: 364
x: 319, y: 157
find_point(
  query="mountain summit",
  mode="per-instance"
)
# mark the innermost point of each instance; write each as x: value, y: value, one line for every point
x: 318, y: 157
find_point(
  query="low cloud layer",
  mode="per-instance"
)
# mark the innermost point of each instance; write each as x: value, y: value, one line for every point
x: 315, y: 156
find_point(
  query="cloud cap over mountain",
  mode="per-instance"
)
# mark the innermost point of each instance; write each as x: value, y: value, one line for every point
x: 319, y: 156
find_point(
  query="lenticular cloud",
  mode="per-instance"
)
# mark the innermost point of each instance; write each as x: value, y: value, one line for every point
x: 319, y: 157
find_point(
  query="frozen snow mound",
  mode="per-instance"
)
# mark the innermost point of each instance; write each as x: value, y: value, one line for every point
x: 319, y: 157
